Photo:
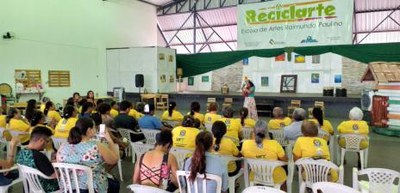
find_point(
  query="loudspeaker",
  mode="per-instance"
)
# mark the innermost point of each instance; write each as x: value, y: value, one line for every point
x: 139, y: 80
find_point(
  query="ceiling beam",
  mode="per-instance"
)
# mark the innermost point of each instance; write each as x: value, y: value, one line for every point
x: 143, y: 1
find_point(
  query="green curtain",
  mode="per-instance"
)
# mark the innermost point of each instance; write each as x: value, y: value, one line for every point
x: 194, y: 64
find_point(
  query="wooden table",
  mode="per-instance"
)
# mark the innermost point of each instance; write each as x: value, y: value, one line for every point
x: 148, y: 96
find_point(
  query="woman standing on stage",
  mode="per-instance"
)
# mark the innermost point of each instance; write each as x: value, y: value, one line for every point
x: 248, y: 91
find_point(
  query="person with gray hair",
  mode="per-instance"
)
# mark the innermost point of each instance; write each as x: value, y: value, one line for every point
x: 264, y: 148
x: 354, y: 126
x: 279, y: 120
x: 293, y: 131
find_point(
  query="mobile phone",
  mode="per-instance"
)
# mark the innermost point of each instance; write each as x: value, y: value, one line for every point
x: 102, y: 130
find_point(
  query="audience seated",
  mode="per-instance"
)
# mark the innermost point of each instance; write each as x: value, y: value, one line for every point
x: 3, y: 122
x: 171, y: 114
x: 123, y: 120
x: 82, y: 149
x: 225, y: 146
x: 43, y: 104
x: 32, y: 157
x: 195, y: 111
x: 233, y: 125
x: 65, y: 125
x: 7, y: 178
x: 17, y: 123
x: 323, y: 124
x: 90, y: 97
x: 139, y: 110
x: 212, y: 116
x: 245, y: 121
x: 158, y: 167
x: 38, y: 120
x: 311, y: 146
x: 279, y: 120
x: 87, y: 109
x: 203, y: 161
x: 149, y: 121
x: 104, y: 110
x: 51, y: 115
x: 76, y: 98
x: 184, y: 136
x: 114, y: 109
x: 135, y: 114
x: 354, y: 126
x: 293, y: 131
x: 263, y: 148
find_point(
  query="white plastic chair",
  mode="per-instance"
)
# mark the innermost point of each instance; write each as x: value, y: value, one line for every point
x: 150, y: 135
x: 200, y: 181
x: 330, y: 187
x: 116, y: 146
x: 263, y: 172
x: 261, y: 189
x: 353, y: 142
x: 31, y: 179
x: 173, y: 123
x: 126, y: 133
x: 379, y: 180
x: 208, y: 126
x: 279, y: 135
x: 136, y: 188
x: 315, y: 171
x: 323, y: 135
x: 140, y: 148
x: 67, y: 175
x: 247, y: 132
x: 181, y: 155
x: 57, y: 141
x: 232, y: 179
x: 4, y: 189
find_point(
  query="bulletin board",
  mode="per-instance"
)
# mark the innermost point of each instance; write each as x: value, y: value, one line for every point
x: 28, y: 78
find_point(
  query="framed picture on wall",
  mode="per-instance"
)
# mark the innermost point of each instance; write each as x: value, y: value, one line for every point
x: 299, y: 59
x: 191, y: 81
x: 205, y: 78
x: 316, y: 59
x: 288, y: 83
x: 338, y: 78
x: 314, y: 77
x: 161, y: 56
x: 245, y: 61
x: 264, y: 81
x: 280, y: 58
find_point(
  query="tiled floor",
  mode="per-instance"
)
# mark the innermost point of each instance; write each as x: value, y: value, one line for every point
x: 383, y: 152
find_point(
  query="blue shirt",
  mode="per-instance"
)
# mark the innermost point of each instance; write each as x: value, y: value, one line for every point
x: 293, y: 131
x: 216, y: 166
x: 150, y: 122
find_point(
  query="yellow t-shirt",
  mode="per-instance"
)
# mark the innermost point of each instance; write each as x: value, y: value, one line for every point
x: 275, y: 124
x: 176, y: 116
x: 233, y: 127
x: 250, y: 123
x: 311, y: 147
x: 184, y: 137
x: 353, y: 127
x: 314, y: 147
x: 210, y: 118
x: 3, y: 122
x: 198, y: 116
x: 327, y: 127
x: 19, y: 125
x: 54, y: 115
x: 114, y: 113
x: 227, y: 147
x: 64, y: 126
x: 42, y: 107
x: 271, y: 150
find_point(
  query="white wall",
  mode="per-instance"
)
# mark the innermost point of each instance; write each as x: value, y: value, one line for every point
x: 71, y: 35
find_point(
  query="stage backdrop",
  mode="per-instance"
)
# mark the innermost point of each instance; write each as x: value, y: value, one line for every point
x: 286, y: 23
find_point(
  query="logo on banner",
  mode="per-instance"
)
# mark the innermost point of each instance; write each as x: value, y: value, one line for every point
x: 309, y: 39
x: 273, y: 42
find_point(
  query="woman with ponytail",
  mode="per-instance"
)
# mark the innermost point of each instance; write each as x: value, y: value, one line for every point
x: 82, y: 149
x: 263, y: 148
x: 171, y: 114
x: 53, y: 117
x: 225, y: 146
x: 204, y: 162
x: 66, y: 123
x: 16, y: 122
x: 245, y: 121
x: 195, y: 112
x: 318, y: 117
x: 184, y: 136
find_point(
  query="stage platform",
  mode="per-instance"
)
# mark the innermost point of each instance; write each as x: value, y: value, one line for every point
x: 336, y: 107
